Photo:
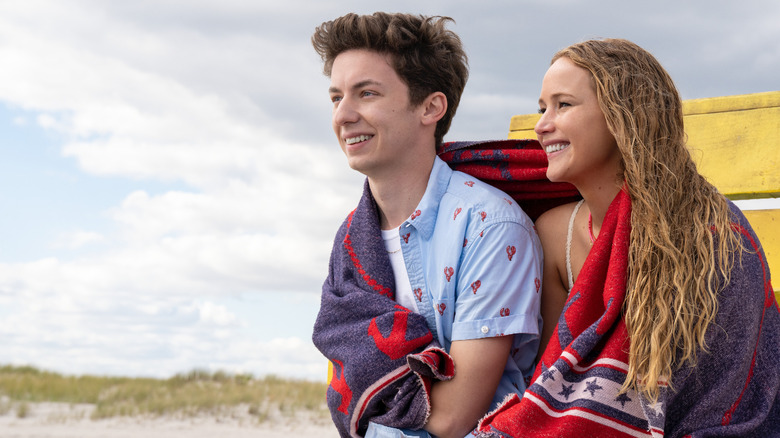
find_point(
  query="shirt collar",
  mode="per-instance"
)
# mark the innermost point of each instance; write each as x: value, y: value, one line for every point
x: 424, y: 217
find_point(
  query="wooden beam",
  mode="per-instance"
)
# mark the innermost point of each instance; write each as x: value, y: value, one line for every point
x: 735, y: 141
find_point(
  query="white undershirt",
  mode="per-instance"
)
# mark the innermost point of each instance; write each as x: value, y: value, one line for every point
x: 403, y: 287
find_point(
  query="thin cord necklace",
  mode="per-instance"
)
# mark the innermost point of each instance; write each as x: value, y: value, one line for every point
x: 590, y: 227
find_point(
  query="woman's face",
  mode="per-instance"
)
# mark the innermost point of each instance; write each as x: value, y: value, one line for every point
x: 572, y: 129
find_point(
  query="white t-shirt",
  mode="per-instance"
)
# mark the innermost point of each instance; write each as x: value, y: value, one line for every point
x: 403, y: 287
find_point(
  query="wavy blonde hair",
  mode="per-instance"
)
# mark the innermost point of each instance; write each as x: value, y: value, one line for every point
x: 681, y: 247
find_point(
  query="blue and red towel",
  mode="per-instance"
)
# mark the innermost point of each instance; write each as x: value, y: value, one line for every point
x: 384, y: 356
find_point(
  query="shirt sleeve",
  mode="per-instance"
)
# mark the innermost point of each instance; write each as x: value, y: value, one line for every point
x: 499, y: 283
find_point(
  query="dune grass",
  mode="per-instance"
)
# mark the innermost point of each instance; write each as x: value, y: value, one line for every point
x: 194, y: 393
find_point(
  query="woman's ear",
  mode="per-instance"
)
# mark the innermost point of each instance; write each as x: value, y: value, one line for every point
x: 434, y: 107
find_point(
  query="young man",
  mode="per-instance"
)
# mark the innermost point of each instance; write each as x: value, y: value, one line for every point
x: 459, y: 258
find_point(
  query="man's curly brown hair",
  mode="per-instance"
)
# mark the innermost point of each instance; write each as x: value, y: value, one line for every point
x: 426, y: 55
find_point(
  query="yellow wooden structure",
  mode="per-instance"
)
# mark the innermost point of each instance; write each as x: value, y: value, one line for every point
x: 735, y: 141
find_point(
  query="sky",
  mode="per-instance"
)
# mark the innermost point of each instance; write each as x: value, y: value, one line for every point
x: 170, y: 185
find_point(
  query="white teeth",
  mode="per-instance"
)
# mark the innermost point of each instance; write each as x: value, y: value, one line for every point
x: 555, y: 147
x: 358, y: 139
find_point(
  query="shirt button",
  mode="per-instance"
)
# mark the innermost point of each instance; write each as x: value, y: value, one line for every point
x: 485, y: 329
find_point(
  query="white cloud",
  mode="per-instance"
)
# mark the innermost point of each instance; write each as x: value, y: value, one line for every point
x: 256, y: 214
x: 89, y: 327
x: 259, y: 200
x: 78, y: 239
x: 215, y: 314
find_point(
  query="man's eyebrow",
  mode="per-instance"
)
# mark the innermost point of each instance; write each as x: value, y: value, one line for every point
x: 358, y: 85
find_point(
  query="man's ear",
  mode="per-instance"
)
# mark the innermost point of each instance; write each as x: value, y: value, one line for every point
x: 434, y: 107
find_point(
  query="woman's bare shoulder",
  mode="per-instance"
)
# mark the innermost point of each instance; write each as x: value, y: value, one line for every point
x: 555, y: 220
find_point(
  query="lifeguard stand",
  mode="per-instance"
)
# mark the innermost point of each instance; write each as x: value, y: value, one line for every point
x: 735, y: 141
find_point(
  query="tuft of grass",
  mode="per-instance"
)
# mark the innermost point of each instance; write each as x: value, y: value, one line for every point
x: 188, y: 394
x: 23, y: 410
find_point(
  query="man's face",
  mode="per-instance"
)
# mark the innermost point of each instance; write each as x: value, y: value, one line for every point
x: 372, y: 118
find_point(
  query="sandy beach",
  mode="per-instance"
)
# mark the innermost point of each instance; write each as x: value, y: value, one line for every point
x: 61, y: 420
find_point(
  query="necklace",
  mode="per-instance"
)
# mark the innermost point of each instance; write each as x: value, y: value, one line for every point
x: 394, y: 251
x: 590, y: 227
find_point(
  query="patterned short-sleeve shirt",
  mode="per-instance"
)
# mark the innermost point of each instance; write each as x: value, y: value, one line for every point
x: 475, y: 266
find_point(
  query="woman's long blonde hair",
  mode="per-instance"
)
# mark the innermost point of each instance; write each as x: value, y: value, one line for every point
x: 681, y: 245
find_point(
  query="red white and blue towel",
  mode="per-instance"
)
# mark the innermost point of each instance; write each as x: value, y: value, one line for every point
x: 732, y: 390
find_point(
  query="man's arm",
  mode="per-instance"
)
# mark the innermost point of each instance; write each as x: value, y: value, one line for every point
x: 457, y: 404
x: 498, y: 293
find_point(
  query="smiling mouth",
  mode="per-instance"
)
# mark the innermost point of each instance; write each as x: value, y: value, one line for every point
x: 358, y: 139
x: 556, y: 147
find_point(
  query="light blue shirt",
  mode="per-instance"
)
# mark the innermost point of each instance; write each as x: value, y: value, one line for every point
x: 475, y: 266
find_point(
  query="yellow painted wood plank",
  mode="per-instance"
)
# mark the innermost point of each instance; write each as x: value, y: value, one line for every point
x: 524, y: 122
x: 738, y: 151
x: 769, y: 99
x: 709, y: 105
x: 520, y: 135
x: 766, y: 224
x: 735, y: 141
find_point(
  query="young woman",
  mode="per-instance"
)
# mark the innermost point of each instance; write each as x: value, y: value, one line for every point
x: 668, y: 324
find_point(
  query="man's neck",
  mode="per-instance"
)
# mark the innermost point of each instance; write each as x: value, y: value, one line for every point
x: 397, y: 195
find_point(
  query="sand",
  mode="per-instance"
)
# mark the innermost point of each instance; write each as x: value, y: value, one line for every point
x: 60, y: 420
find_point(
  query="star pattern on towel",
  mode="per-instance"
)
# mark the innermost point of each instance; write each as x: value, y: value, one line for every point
x: 658, y: 408
x: 566, y: 391
x: 623, y: 399
x: 592, y: 387
x: 547, y: 374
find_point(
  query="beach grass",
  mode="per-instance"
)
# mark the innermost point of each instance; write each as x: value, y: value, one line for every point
x: 189, y: 394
